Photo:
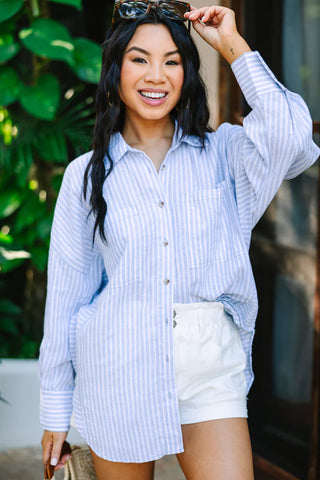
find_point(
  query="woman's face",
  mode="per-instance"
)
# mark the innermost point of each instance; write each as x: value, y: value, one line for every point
x: 152, y: 74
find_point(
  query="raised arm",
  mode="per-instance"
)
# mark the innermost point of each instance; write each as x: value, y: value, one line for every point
x: 275, y: 142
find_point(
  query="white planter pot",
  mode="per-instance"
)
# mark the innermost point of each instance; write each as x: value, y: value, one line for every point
x: 19, y: 420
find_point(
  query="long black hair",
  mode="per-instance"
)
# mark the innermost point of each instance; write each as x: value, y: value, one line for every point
x: 191, y: 112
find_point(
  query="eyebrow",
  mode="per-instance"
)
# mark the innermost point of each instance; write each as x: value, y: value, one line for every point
x: 141, y: 50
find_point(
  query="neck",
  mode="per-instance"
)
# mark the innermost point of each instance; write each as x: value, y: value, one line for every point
x: 138, y: 131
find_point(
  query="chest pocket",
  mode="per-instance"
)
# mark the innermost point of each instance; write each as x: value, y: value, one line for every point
x: 120, y: 228
x: 198, y: 226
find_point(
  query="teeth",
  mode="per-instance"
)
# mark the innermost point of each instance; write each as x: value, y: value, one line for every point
x: 153, y: 94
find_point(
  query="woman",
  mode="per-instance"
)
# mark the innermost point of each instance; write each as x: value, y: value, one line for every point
x: 151, y: 301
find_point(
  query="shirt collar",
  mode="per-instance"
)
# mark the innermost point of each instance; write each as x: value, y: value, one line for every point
x: 118, y: 147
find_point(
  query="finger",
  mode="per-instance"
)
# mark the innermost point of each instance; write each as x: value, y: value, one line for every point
x: 56, y: 451
x: 212, y: 13
x: 202, y: 10
x: 195, y: 12
x: 63, y: 460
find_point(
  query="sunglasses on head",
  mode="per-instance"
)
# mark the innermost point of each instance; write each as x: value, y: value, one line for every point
x: 135, y: 9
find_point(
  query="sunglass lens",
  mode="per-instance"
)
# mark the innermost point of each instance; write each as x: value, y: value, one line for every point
x: 132, y: 9
x: 174, y: 10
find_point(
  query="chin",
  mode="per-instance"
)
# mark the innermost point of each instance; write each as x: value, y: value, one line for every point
x: 155, y: 115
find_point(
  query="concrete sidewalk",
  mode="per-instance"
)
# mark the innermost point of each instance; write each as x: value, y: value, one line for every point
x: 26, y: 464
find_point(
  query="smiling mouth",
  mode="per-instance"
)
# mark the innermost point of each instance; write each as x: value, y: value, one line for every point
x: 153, y: 95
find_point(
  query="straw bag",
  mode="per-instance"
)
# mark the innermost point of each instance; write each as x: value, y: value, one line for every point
x: 78, y: 467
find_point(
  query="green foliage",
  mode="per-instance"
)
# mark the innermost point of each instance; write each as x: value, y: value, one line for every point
x: 42, y: 100
x: 48, y: 38
x: 10, y: 85
x: 8, y: 8
x: 73, y: 3
x: 19, y: 342
x: 87, y: 58
x: 45, y: 120
x: 8, y: 47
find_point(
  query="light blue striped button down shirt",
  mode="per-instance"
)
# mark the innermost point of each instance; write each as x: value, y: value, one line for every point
x: 178, y: 235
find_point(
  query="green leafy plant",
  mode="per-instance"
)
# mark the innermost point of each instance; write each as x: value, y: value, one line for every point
x: 46, y: 119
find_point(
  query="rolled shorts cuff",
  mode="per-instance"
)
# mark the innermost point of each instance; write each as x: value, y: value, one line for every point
x: 194, y: 414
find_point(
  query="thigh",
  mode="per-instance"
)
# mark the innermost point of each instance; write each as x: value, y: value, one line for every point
x: 217, y: 449
x: 106, y: 470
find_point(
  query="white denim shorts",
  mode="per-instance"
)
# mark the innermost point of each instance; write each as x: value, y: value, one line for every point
x: 209, y: 363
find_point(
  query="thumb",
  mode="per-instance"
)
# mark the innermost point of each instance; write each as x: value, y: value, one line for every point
x: 201, y: 29
x: 198, y: 26
x: 208, y: 33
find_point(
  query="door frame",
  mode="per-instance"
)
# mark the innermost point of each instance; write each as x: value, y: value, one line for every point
x: 231, y: 110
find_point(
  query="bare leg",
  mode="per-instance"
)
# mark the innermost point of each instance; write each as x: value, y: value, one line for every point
x: 106, y: 470
x: 217, y: 449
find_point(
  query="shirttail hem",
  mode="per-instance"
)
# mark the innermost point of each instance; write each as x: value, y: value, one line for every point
x: 111, y: 458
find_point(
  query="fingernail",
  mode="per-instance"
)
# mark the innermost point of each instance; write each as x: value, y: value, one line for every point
x: 54, y: 461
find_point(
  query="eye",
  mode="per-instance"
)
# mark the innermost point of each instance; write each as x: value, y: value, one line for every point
x: 139, y: 60
x: 172, y: 62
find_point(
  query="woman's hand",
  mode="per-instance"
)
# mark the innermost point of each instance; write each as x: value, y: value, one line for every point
x: 52, y: 443
x: 217, y: 26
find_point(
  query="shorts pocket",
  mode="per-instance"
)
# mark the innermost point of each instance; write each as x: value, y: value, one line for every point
x: 196, y: 354
x: 234, y: 356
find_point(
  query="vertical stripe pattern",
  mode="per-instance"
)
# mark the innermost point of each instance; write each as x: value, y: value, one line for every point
x: 179, y: 235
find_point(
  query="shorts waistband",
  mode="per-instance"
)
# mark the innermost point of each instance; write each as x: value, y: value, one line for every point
x: 190, y: 307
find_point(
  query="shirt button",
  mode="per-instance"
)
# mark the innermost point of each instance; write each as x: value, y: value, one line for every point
x: 163, y: 167
x: 165, y: 243
x: 174, y: 323
x: 161, y: 204
x: 166, y: 281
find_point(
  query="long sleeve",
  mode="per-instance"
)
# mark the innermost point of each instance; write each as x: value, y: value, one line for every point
x: 75, y: 273
x: 275, y: 142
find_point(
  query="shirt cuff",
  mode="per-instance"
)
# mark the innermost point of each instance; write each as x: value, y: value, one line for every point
x: 56, y: 410
x: 254, y: 76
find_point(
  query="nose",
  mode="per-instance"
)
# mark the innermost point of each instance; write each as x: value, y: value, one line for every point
x: 155, y: 73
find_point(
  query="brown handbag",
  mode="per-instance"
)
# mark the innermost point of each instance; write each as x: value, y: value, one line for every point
x: 49, y: 469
